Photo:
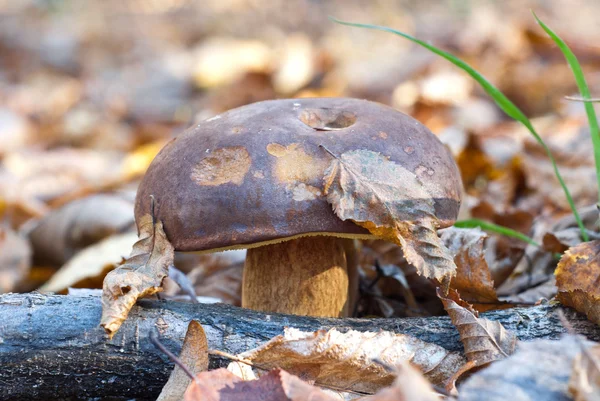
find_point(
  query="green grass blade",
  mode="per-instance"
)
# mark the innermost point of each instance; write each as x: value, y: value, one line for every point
x: 501, y: 100
x: 583, y: 89
x: 487, y: 226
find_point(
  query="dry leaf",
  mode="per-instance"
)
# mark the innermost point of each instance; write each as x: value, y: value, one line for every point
x: 571, y: 146
x: 560, y: 241
x: 65, y: 231
x: 584, y: 384
x: 15, y: 259
x: 88, y: 267
x: 216, y: 275
x: 393, y: 204
x: 577, y: 279
x: 345, y: 360
x: 538, y: 370
x: 473, y: 279
x: 534, y: 295
x: 409, y: 385
x: 140, y: 275
x: 193, y: 355
x: 484, y: 340
x: 48, y: 174
x: 277, y: 385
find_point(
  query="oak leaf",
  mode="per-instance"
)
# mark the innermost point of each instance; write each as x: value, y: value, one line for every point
x: 345, y: 360
x: 392, y: 203
x: 577, y: 279
x: 140, y: 275
x: 277, y: 385
x: 484, y: 340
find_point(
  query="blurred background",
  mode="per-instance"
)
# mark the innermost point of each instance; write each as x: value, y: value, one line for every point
x: 91, y: 90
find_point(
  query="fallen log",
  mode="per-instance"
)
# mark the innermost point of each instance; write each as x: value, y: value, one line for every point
x: 51, y: 346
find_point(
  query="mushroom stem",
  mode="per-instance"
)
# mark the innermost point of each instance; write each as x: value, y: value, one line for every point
x: 306, y: 276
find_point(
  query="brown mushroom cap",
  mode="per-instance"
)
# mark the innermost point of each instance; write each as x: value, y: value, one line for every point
x: 254, y: 175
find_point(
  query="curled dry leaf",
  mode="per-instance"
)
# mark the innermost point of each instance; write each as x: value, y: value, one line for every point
x: 473, y: 279
x: 15, y: 259
x: 345, y: 360
x: 193, y: 355
x: 484, y: 340
x: 88, y: 267
x: 140, y: 275
x: 277, y: 385
x: 392, y: 203
x: 584, y: 384
x: 65, y: 231
x: 577, y: 279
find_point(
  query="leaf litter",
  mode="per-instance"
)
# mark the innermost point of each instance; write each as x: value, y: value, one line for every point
x: 393, y: 204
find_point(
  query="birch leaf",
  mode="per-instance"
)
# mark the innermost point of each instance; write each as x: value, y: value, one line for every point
x: 345, y: 360
x: 392, y: 203
x: 140, y: 275
x: 484, y: 340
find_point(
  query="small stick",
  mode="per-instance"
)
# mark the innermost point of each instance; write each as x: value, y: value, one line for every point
x: 154, y: 340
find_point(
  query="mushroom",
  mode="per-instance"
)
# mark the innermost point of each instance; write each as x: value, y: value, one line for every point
x: 253, y: 178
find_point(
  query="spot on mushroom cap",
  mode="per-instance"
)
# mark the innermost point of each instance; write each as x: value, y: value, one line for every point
x: 255, y: 175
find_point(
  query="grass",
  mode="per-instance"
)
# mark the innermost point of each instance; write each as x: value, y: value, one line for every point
x: 583, y: 89
x: 512, y: 110
x: 487, y: 226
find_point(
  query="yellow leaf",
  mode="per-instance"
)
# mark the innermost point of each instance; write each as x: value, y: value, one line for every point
x: 577, y: 279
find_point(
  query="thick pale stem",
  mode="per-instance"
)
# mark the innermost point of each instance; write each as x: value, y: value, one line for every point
x: 306, y: 276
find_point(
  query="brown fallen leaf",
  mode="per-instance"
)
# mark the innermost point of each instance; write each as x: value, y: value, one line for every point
x: 140, y: 275
x: 577, y: 279
x: 65, y: 231
x: 584, y: 384
x: 45, y: 175
x: 484, y: 340
x: 277, y: 385
x: 193, y: 355
x: 570, y: 144
x: 345, y: 360
x: 15, y: 259
x: 392, y: 203
x: 538, y: 370
x: 409, y: 385
x: 89, y: 266
x: 473, y: 278
x: 217, y: 275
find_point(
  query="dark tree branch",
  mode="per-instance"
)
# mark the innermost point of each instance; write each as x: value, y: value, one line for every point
x: 51, y: 347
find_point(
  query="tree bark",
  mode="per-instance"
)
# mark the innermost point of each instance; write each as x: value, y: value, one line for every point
x: 52, y: 347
